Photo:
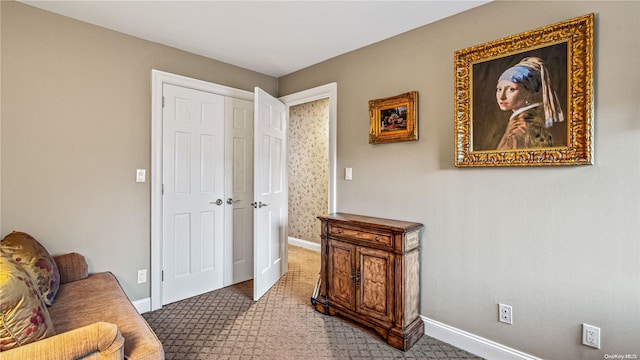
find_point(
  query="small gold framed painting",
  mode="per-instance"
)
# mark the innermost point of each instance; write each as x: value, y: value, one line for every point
x: 394, y: 119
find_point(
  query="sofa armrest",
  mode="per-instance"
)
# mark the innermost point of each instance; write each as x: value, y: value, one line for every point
x: 100, y: 340
x: 72, y: 267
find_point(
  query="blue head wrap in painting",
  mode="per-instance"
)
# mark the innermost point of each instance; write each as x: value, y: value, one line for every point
x: 524, y: 75
x: 533, y: 75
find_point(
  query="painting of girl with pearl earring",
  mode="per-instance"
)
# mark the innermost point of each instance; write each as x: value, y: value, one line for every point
x: 527, y: 100
x: 519, y: 100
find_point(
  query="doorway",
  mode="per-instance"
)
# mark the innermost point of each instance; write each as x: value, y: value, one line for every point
x: 158, y: 79
x: 327, y: 107
x: 308, y: 150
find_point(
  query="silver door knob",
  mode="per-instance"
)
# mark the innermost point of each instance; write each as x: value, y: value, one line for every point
x: 260, y: 204
x: 217, y: 202
x: 231, y: 201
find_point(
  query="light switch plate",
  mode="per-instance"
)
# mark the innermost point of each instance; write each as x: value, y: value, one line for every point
x: 142, y: 276
x: 348, y: 173
x: 141, y: 175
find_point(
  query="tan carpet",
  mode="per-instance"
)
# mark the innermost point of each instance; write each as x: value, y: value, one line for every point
x: 227, y: 324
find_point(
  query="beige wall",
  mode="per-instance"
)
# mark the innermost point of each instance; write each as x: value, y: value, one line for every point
x: 561, y: 245
x: 308, y: 147
x: 76, y: 126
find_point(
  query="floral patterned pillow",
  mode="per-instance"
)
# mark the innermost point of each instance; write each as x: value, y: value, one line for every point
x: 35, y: 259
x: 24, y: 315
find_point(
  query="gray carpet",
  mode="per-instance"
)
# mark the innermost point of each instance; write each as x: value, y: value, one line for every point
x: 227, y: 324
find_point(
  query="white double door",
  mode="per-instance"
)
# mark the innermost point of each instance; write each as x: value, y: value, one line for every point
x: 218, y: 228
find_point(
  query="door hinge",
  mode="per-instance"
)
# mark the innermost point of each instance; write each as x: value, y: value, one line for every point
x: 162, y: 189
x: 163, y: 101
x: 162, y: 275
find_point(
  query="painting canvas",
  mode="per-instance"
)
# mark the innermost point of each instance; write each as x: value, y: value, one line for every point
x: 490, y: 120
x: 393, y: 119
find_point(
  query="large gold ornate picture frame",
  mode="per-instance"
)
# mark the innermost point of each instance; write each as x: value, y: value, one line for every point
x: 527, y: 99
x: 394, y: 118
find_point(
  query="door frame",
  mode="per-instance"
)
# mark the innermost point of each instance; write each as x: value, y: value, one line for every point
x: 329, y: 91
x: 158, y: 78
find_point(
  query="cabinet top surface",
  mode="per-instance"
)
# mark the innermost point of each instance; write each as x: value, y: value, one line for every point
x: 371, y: 221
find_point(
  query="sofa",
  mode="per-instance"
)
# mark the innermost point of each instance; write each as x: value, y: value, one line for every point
x: 86, y: 316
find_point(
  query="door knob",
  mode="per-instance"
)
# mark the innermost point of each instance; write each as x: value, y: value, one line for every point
x: 260, y: 204
x: 231, y: 201
x: 217, y: 202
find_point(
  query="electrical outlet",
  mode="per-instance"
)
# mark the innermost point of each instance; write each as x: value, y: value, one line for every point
x: 142, y: 276
x: 505, y: 314
x: 591, y: 336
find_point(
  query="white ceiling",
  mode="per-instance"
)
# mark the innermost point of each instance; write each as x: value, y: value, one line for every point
x: 271, y: 37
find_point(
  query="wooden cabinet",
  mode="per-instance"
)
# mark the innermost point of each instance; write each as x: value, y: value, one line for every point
x: 370, y: 273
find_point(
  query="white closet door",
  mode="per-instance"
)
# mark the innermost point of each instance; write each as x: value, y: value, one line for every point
x: 271, y: 195
x: 239, y: 190
x: 193, y: 205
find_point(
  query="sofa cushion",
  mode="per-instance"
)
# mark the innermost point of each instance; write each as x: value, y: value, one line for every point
x: 26, y: 250
x: 101, y: 298
x: 23, y: 313
x: 72, y: 267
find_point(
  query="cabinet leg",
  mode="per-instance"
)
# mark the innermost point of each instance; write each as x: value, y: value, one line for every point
x: 404, y: 341
x: 320, y: 304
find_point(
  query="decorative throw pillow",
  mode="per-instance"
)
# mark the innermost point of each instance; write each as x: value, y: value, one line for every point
x: 35, y: 259
x: 23, y: 313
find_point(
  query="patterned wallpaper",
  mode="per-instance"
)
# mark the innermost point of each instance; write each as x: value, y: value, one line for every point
x: 308, y: 168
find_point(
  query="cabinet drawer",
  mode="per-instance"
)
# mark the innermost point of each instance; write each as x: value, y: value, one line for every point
x: 376, y: 237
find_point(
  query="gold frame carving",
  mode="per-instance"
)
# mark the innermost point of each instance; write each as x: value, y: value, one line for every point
x: 404, y: 109
x: 568, y: 46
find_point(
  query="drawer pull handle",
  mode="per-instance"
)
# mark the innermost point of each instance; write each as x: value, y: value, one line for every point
x: 377, y: 238
x: 339, y: 231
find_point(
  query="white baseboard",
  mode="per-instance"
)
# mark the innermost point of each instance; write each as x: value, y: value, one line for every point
x: 472, y: 343
x: 304, y: 244
x: 142, y: 305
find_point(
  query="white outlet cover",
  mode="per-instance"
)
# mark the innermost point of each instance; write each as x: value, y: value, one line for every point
x: 505, y: 314
x: 591, y: 336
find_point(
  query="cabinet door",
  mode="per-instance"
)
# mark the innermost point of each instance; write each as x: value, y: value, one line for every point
x: 375, y: 294
x: 340, y: 274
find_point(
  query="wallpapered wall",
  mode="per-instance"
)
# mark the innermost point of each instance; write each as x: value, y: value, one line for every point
x: 308, y: 168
